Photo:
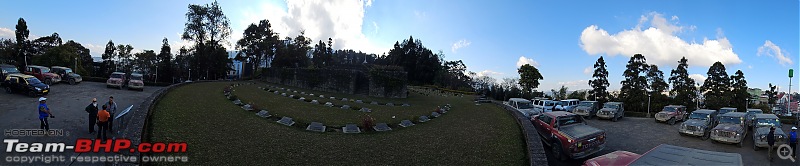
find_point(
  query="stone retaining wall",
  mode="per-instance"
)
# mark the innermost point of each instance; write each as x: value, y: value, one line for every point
x: 535, y: 149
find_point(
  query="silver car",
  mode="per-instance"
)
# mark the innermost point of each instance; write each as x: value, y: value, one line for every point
x: 761, y: 125
x: 699, y: 124
x: 730, y: 129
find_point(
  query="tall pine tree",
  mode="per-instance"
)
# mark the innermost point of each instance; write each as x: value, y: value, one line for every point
x: 740, y: 95
x: 717, y: 87
x: 600, y: 82
x: 633, y: 87
x: 683, y: 87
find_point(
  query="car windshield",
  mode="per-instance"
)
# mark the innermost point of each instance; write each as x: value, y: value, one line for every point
x: 768, y: 122
x: 45, y: 70
x: 522, y: 105
x: 116, y: 76
x: 731, y: 120
x: 587, y: 104
x: 723, y: 111
x: 670, y: 109
x: 68, y: 71
x: 33, y: 80
x: 754, y: 112
x: 10, y: 70
x: 700, y: 116
x: 549, y: 103
x: 140, y: 78
x: 564, y: 102
x: 614, y: 106
x: 568, y: 120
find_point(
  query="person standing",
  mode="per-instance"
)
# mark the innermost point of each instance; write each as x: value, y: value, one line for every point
x: 44, y: 112
x: 102, y: 122
x: 92, y: 110
x: 793, y: 141
x: 112, y: 109
x: 770, y: 142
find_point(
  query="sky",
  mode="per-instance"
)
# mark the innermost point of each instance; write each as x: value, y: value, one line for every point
x: 562, y: 39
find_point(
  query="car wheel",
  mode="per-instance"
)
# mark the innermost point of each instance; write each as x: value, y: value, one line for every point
x: 682, y: 134
x: 72, y: 81
x: 8, y: 90
x: 713, y: 141
x: 558, y: 153
x: 672, y: 121
x: 31, y: 94
x: 755, y: 148
x: 704, y: 137
x: 48, y: 82
x: 615, y: 119
x: 740, y: 144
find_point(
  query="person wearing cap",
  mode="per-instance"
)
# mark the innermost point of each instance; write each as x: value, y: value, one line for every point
x: 103, y: 118
x: 44, y: 112
x: 770, y: 141
x: 793, y: 141
x: 112, y: 109
x: 92, y: 110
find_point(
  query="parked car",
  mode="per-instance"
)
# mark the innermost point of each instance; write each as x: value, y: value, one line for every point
x: 25, y: 84
x: 730, y: 129
x: 612, y: 110
x: 751, y: 114
x: 724, y: 110
x: 568, y: 135
x: 699, y: 124
x: 569, y: 104
x: 43, y: 74
x: 667, y: 155
x: 136, y: 81
x: 6, y: 69
x: 117, y: 79
x: 524, y: 106
x: 587, y: 109
x: 545, y: 105
x: 671, y: 114
x: 761, y: 125
x: 67, y: 75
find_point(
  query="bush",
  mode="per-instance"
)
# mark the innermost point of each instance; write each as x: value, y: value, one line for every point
x: 788, y: 120
x: 636, y: 114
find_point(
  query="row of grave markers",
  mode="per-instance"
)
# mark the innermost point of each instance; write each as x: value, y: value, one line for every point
x: 323, y: 96
x: 349, y: 128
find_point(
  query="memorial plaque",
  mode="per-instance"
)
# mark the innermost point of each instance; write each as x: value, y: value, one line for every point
x: 316, y: 126
x: 346, y: 107
x: 321, y: 96
x: 443, y: 110
x: 382, y: 127
x: 344, y: 99
x: 237, y: 102
x: 435, y: 114
x: 365, y: 110
x: 276, y: 92
x: 295, y: 91
x: 423, y: 118
x: 314, y: 102
x: 283, y: 94
x: 311, y: 94
x: 286, y: 121
x: 302, y: 98
x: 389, y: 104
x: 406, y: 104
x: 263, y: 114
x: 328, y: 104
x: 247, y: 107
x: 359, y: 101
x: 302, y: 93
x: 406, y: 123
x: 333, y: 98
x: 351, y: 128
x: 291, y: 96
x: 374, y: 103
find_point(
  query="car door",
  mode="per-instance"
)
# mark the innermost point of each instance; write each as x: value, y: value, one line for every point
x: 543, y: 124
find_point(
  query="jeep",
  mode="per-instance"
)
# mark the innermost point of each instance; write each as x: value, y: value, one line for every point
x: 117, y: 79
x: 587, y: 109
x: 730, y: 129
x: 671, y: 114
x: 136, y: 81
x: 568, y: 135
x: 761, y: 125
x: 66, y: 75
x: 751, y: 114
x: 612, y: 110
x: 25, y: 84
x: 6, y: 70
x: 700, y: 123
x: 42, y: 73
x: 568, y: 104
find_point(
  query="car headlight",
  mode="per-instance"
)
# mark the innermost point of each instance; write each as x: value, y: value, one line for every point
x: 37, y: 88
x: 762, y: 137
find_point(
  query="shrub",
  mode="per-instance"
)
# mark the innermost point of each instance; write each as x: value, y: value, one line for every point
x: 367, y: 122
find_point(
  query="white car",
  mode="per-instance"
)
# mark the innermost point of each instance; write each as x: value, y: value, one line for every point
x: 524, y: 106
x: 569, y: 104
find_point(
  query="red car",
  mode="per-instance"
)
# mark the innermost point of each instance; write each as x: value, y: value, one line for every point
x: 42, y: 73
x: 568, y: 135
x: 667, y: 155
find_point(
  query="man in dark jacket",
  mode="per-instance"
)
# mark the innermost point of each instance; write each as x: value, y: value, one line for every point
x: 112, y: 109
x: 770, y: 142
x: 92, y: 110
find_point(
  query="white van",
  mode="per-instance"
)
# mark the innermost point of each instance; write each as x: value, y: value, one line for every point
x: 524, y: 106
x: 569, y: 104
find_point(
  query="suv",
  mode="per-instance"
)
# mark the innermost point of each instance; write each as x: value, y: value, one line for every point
x: 117, y: 79
x: 587, y: 109
x: 136, y: 81
x: 523, y: 106
x: 568, y: 135
x: 761, y: 124
x: 67, y: 75
x: 612, y: 110
x: 569, y: 104
x: 725, y: 110
x: 730, y: 129
x: 6, y: 70
x: 671, y: 114
x: 699, y: 124
x: 25, y: 84
x: 751, y: 114
x: 43, y: 74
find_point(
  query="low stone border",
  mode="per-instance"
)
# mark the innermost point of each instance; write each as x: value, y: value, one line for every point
x: 535, y: 152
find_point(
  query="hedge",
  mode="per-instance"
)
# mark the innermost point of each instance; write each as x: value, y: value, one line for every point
x: 636, y: 114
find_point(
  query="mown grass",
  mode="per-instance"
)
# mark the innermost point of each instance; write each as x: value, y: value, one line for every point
x: 220, y: 133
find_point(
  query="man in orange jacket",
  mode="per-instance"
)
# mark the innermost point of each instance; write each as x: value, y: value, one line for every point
x: 102, y: 122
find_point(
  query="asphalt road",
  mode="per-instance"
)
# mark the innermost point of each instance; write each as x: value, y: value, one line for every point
x: 639, y: 135
x: 67, y: 103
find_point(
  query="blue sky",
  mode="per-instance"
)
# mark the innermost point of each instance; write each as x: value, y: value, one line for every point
x: 561, y: 38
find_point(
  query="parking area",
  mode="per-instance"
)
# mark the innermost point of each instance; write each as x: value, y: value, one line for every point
x: 67, y: 103
x: 638, y: 135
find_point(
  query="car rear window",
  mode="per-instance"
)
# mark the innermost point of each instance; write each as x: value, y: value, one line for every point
x: 116, y: 76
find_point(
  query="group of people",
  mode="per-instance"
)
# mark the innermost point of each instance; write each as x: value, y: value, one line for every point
x: 792, y: 141
x: 102, y: 118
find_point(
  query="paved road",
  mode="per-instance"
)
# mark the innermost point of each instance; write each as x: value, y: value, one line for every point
x: 67, y: 103
x: 638, y: 135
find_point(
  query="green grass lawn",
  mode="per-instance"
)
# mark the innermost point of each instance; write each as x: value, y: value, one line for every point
x: 220, y: 133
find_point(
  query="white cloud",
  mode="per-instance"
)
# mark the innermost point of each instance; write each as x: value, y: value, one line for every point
x: 698, y: 78
x: 522, y: 61
x: 368, y: 4
x: 8, y: 33
x: 658, y: 43
x: 460, y: 44
x: 490, y: 73
x: 588, y: 70
x: 375, y: 25
x: 750, y: 66
x: 575, y: 85
x: 340, y: 20
x: 95, y: 50
x: 772, y: 50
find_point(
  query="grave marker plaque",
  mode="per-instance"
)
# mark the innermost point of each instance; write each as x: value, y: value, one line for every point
x: 389, y: 104
x: 344, y: 99
x: 406, y: 123
x: 435, y: 114
x: 359, y: 101
x: 321, y: 96
x: 374, y: 103
x: 237, y: 102
x: 302, y: 98
x: 382, y: 127
x: 346, y: 107
x: 314, y: 102
x: 286, y: 121
x: 248, y: 107
x: 365, y: 110
x: 263, y: 114
x: 406, y: 104
x: 316, y: 126
x: 328, y: 104
x: 351, y: 128
x: 423, y: 118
